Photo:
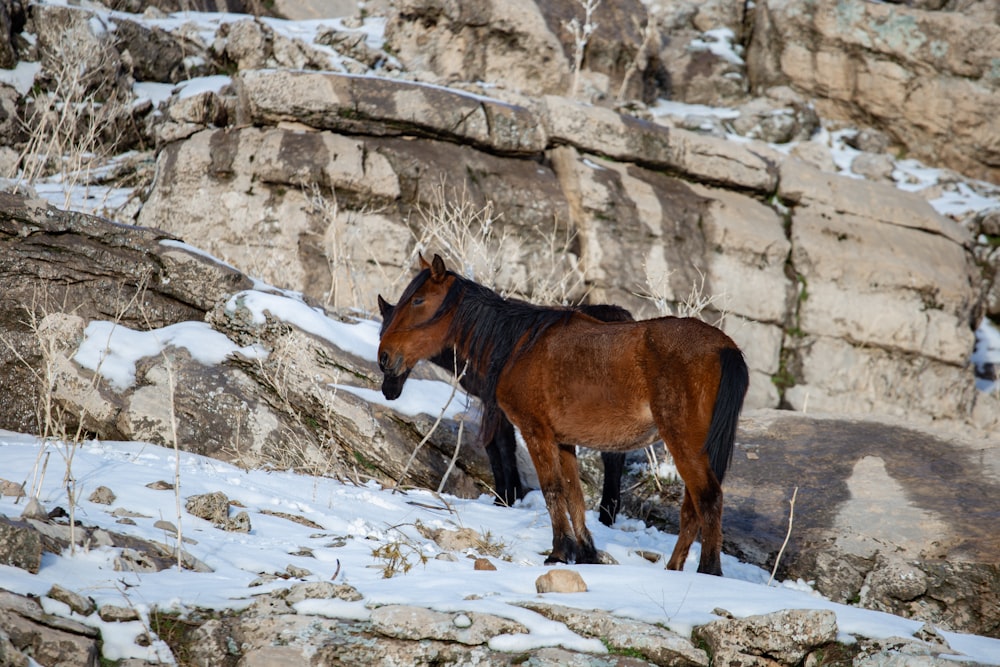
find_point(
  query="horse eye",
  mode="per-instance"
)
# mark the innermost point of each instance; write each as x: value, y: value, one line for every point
x: 418, y: 301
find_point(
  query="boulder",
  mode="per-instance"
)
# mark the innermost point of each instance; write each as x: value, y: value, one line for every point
x: 244, y: 409
x: 417, y: 623
x: 78, y: 56
x: 153, y: 53
x: 784, y: 637
x: 31, y: 636
x: 21, y: 545
x: 655, y: 643
x: 883, y: 280
x: 885, y: 515
x: 926, y: 77
x: 376, y: 106
x: 484, y: 41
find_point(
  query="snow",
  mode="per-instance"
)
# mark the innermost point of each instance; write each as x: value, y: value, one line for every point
x: 987, y: 351
x: 719, y: 42
x: 664, y: 107
x: 112, y: 350
x: 356, y: 520
x: 203, y: 84
x: 364, y: 517
x: 22, y: 77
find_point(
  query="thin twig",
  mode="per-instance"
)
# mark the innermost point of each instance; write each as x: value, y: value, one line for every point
x: 437, y: 422
x: 791, y: 515
x: 454, y: 457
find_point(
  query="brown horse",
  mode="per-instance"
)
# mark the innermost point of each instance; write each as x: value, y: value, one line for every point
x: 561, y: 376
x: 496, y: 433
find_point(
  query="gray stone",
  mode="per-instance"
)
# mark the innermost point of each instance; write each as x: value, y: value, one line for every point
x: 656, y: 644
x: 892, y: 63
x: 20, y: 545
x: 328, y: 101
x: 786, y: 637
x: 214, y: 507
x: 117, y: 614
x: 47, y: 639
x: 75, y: 601
x: 416, y: 623
x: 102, y: 495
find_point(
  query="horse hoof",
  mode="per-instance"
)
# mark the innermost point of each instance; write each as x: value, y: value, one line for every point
x: 555, y: 560
x: 604, y: 558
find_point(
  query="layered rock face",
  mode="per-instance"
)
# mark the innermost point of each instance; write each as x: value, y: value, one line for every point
x: 848, y: 296
x: 929, y: 77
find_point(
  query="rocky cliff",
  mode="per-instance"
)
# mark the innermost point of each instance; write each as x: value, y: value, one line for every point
x: 551, y: 169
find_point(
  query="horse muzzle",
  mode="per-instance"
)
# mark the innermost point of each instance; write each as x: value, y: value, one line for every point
x: 390, y: 365
x: 392, y: 386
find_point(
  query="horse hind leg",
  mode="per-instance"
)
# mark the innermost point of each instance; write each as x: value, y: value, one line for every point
x: 710, y: 504
x: 700, y: 510
x: 702, y: 506
x: 569, y: 466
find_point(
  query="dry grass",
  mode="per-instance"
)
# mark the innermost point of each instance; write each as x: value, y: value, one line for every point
x: 60, y: 429
x: 475, y: 244
x: 581, y: 31
x: 697, y: 303
x: 71, y: 132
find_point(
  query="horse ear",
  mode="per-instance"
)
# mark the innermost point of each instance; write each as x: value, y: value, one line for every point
x: 423, y: 262
x: 383, y: 306
x: 437, y: 268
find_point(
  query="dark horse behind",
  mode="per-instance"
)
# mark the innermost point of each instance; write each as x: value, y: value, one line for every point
x: 563, y: 377
x: 496, y: 433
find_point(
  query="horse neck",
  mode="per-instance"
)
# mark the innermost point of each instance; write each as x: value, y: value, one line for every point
x: 488, y: 331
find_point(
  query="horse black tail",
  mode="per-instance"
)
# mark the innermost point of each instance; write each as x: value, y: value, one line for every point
x: 733, y: 382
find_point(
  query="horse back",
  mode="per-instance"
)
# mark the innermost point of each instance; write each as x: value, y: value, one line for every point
x: 599, y: 384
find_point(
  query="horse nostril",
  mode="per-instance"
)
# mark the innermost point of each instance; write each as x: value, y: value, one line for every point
x: 383, y: 361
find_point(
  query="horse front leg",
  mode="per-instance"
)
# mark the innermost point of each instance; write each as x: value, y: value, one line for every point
x: 570, y: 470
x: 614, y: 465
x: 506, y: 443
x: 497, y: 433
x: 545, y: 455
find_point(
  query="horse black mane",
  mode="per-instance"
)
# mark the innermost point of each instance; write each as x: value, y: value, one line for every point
x: 490, y: 327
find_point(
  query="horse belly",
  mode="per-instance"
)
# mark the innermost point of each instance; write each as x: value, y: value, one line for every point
x: 606, y: 425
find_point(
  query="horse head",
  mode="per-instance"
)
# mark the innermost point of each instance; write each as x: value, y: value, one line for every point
x: 417, y: 325
x: 392, y: 385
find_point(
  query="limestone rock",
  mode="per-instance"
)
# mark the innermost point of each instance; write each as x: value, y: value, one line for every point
x: 212, y: 507
x: 894, y: 63
x: 786, y: 637
x: 488, y: 41
x: 9, y: 488
x: 415, y: 623
x: 69, y: 38
x: 155, y: 54
x: 656, y: 644
x: 917, y: 559
x: 560, y: 581
x: 117, y: 614
x: 102, y: 495
x: 328, y: 101
x: 76, y: 602
x: 47, y: 639
x: 20, y: 545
